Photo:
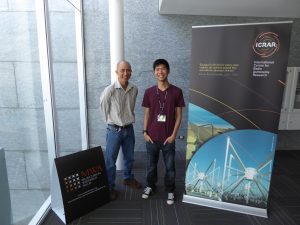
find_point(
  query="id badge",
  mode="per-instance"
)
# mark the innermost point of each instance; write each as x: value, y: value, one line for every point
x: 161, y: 118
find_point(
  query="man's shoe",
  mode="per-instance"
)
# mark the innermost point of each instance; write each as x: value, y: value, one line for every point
x: 114, y: 194
x: 132, y: 183
x: 147, y: 192
x: 171, y: 198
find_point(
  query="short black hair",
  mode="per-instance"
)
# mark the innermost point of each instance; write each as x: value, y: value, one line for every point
x: 159, y: 62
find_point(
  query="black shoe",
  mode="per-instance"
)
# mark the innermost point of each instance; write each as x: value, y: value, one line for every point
x: 132, y: 183
x: 114, y: 194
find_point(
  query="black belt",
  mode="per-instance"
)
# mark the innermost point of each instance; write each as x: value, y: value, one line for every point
x: 120, y: 127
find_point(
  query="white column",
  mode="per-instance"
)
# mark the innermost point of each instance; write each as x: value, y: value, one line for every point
x: 116, y: 28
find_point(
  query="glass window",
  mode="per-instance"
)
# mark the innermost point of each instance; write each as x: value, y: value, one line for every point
x: 24, y: 169
x: 65, y: 78
x: 96, y: 36
x: 297, y: 94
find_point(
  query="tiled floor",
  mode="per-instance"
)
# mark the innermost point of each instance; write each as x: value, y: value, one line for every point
x: 283, y: 209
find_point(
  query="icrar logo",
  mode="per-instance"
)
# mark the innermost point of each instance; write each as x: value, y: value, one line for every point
x: 266, y: 44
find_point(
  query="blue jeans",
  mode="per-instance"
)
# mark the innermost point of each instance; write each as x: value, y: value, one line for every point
x: 168, y: 152
x: 116, y: 138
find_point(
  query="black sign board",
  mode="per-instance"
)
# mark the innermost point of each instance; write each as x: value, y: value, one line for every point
x: 82, y: 180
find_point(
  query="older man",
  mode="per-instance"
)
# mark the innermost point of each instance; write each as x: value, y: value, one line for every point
x: 117, y: 103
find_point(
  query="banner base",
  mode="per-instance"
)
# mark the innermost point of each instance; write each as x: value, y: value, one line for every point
x: 226, y: 206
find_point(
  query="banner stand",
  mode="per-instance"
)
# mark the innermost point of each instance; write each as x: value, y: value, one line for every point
x: 79, y: 184
x: 226, y: 206
x: 238, y: 75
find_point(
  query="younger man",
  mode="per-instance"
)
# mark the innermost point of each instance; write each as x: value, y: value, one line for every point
x: 162, y: 117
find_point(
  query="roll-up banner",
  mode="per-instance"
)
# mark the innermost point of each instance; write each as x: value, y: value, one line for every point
x: 237, y: 81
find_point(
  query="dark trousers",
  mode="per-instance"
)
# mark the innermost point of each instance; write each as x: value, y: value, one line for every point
x: 168, y: 152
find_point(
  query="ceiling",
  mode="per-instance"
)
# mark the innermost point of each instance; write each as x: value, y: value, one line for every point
x: 249, y: 8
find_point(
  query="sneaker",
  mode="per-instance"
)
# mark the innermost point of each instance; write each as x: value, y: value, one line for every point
x: 147, y: 192
x: 132, y: 183
x: 171, y: 198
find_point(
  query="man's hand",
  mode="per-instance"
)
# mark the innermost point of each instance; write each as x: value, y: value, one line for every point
x: 170, y: 139
x: 147, y: 138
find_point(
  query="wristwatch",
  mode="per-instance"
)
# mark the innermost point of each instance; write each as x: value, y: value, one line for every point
x: 145, y: 131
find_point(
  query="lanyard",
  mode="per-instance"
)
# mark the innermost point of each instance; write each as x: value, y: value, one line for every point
x: 161, y: 105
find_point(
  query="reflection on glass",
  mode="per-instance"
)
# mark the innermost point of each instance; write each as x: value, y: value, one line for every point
x: 65, y: 78
x: 5, y: 205
x: 96, y: 37
x: 297, y: 94
x: 22, y: 123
